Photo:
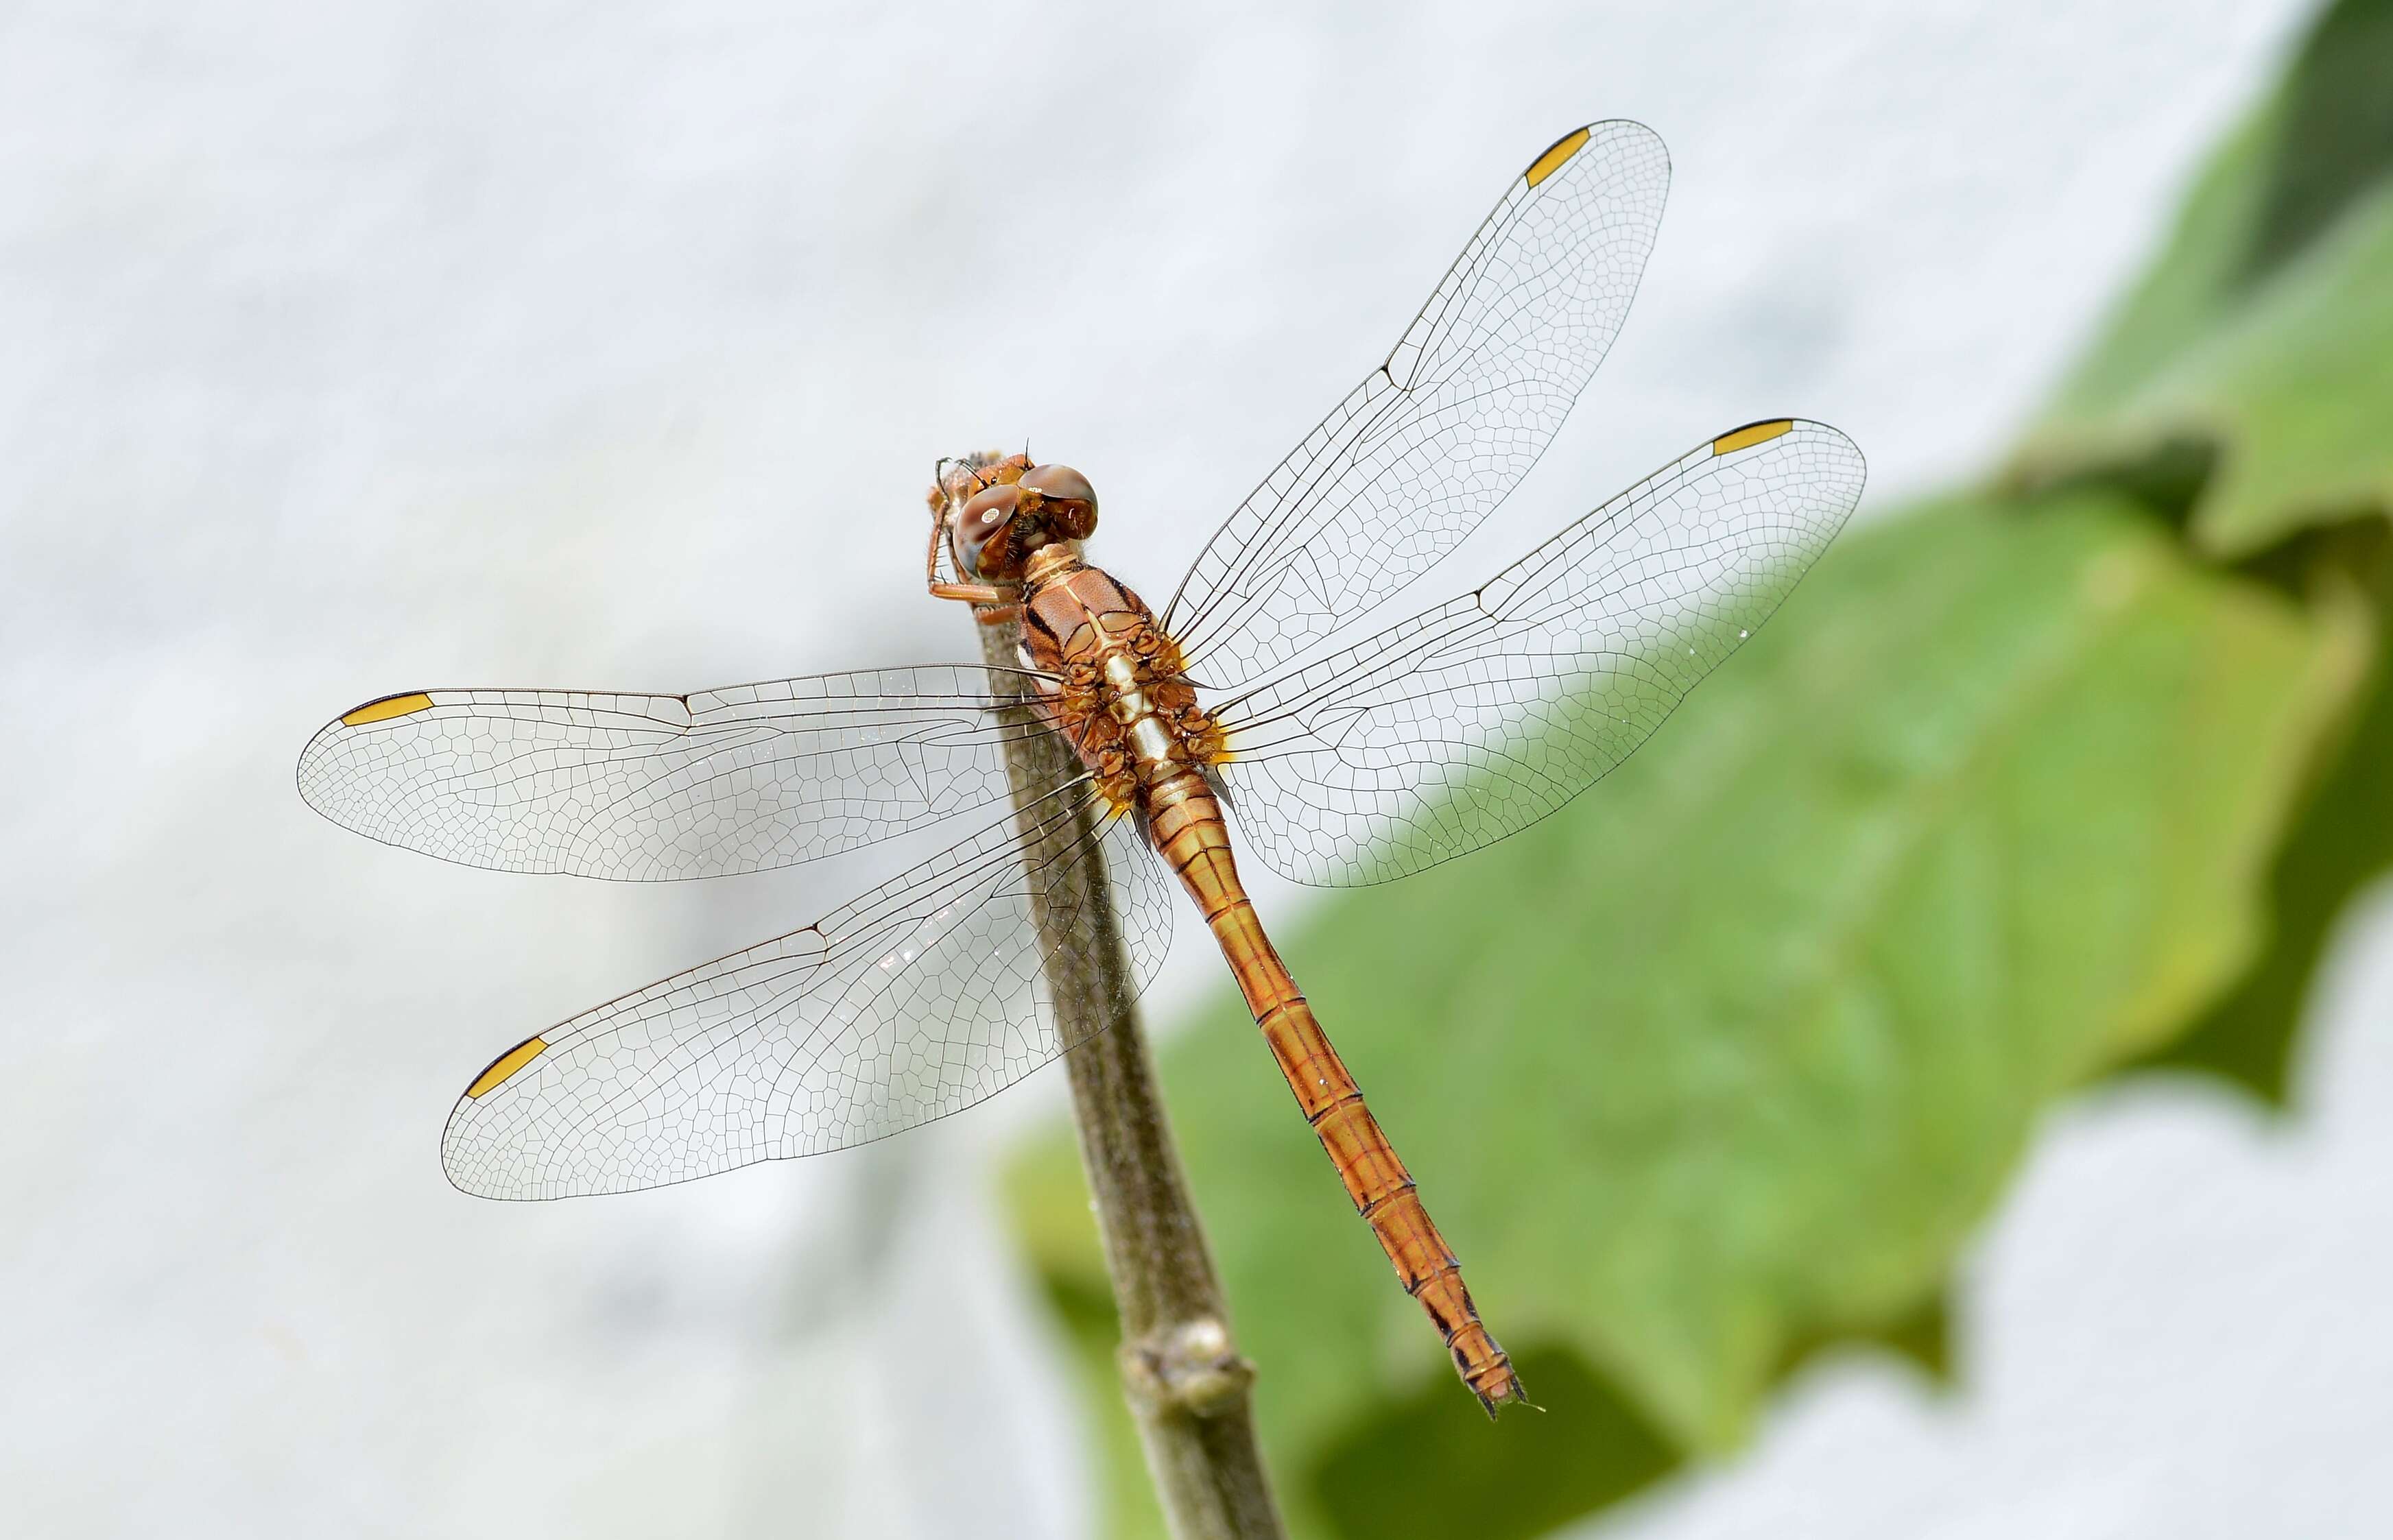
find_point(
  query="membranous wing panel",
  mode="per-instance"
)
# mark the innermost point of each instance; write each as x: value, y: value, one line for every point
x: 648, y: 788
x: 1446, y: 426
x: 920, y: 997
x: 1473, y: 720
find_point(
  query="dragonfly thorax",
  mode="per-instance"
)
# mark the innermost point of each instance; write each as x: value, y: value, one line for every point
x: 1115, y: 685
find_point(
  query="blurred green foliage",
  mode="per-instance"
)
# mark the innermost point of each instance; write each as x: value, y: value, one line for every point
x: 2264, y: 328
x: 1719, y: 1067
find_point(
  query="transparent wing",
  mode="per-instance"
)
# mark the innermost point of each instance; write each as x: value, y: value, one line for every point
x: 645, y: 788
x: 1473, y: 720
x: 1442, y: 431
x: 923, y: 997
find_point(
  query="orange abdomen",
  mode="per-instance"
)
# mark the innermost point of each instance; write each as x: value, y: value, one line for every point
x: 1188, y: 829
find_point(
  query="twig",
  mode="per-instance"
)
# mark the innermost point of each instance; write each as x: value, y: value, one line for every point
x: 1186, y: 1385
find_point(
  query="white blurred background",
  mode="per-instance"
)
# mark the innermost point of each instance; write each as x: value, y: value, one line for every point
x: 347, y: 349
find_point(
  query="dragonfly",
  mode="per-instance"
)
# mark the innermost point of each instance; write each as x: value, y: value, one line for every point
x: 1247, y: 703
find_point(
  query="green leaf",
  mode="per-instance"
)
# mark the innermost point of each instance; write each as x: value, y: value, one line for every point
x: 2342, y: 843
x: 2265, y: 330
x: 2294, y: 390
x: 1405, y: 1468
x: 1728, y: 1056
x: 2335, y: 137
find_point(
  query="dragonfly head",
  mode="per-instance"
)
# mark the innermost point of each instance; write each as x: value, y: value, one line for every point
x: 998, y: 527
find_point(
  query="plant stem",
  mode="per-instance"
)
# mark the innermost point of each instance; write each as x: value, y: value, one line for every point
x: 1187, y: 1387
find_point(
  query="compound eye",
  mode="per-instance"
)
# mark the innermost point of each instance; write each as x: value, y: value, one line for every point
x: 988, y: 509
x: 981, y: 520
x: 1068, y: 492
x: 1059, y: 482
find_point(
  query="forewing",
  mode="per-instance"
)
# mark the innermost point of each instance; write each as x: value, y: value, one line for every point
x: 1441, y: 432
x: 923, y: 997
x: 645, y: 788
x: 1473, y: 720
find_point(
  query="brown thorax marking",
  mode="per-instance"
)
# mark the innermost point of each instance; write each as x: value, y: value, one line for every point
x: 1122, y: 694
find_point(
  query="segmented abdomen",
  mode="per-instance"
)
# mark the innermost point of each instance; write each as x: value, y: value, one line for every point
x: 1187, y: 824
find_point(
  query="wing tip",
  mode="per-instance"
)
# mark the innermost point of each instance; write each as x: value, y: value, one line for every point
x: 1764, y: 430
x: 382, y: 708
x: 1556, y: 155
x: 1565, y: 149
x: 386, y: 708
x: 498, y: 1071
x: 1751, y: 434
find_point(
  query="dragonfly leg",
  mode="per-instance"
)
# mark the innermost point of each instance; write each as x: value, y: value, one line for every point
x: 993, y: 603
x: 972, y: 593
